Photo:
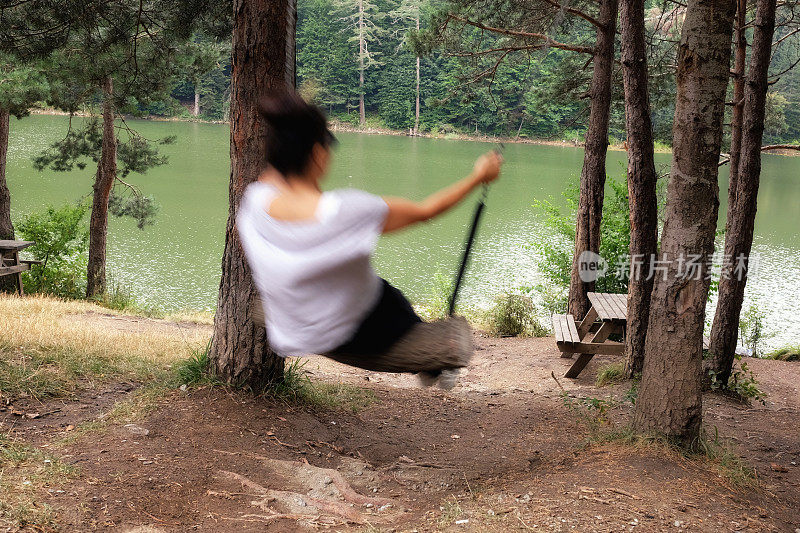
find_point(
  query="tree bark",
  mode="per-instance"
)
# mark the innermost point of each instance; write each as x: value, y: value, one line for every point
x: 593, y: 174
x: 6, y: 227
x: 240, y: 353
x: 669, y: 400
x: 738, y: 93
x: 641, y: 181
x: 103, y: 183
x: 743, y: 198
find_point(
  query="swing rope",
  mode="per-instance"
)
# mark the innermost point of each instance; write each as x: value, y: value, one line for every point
x: 476, y: 218
x: 468, y: 248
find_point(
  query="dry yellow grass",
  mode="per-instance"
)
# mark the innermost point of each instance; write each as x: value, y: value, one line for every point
x: 50, y: 346
x: 196, y: 317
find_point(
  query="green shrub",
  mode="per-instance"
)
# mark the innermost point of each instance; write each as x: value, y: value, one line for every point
x: 61, y: 241
x: 615, y: 236
x: 512, y: 315
x: 751, y: 329
x: 789, y: 353
x: 742, y: 383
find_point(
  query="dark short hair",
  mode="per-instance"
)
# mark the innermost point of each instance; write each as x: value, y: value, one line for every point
x: 294, y: 127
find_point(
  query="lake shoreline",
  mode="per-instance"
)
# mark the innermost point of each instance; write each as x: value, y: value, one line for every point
x: 339, y: 126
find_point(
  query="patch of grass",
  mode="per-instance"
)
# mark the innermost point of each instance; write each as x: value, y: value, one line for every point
x: 610, y: 374
x: 25, y: 471
x: 196, y: 370
x: 52, y: 348
x: 131, y: 408
x: 436, y: 304
x: 708, y: 451
x: 295, y: 386
x: 788, y: 353
x: 729, y: 464
x: 593, y: 411
x: 118, y: 296
x: 451, y: 511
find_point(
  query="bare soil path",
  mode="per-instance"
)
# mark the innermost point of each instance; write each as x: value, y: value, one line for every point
x: 501, y: 452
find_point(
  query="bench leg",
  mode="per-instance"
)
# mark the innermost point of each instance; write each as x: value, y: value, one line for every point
x: 583, y: 329
x: 606, y: 329
x: 19, y: 274
x: 579, y: 365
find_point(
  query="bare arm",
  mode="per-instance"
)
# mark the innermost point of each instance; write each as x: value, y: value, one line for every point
x: 404, y: 212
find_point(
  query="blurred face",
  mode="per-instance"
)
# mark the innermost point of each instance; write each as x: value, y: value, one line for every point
x: 320, y: 161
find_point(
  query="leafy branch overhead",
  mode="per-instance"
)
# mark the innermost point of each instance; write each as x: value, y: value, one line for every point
x: 135, y: 154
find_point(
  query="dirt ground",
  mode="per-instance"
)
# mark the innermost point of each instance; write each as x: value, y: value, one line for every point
x: 501, y: 452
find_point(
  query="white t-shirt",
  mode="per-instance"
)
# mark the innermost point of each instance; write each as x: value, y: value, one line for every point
x: 314, y: 277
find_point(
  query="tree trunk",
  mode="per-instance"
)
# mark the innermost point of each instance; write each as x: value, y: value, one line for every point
x: 103, y: 183
x: 291, y: 44
x: 6, y: 227
x: 362, y: 50
x: 670, y: 401
x: 738, y: 94
x: 743, y: 200
x: 416, y: 110
x: 239, y: 352
x: 641, y: 180
x: 196, y: 109
x: 593, y: 174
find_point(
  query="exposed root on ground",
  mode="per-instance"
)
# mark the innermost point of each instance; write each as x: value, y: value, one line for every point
x: 319, y: 494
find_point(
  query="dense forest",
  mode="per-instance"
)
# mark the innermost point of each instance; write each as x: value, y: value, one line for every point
x: 465, y: 85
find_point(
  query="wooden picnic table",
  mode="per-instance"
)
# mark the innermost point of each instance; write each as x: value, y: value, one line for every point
x: 11, y: 264
x: 608, y: 314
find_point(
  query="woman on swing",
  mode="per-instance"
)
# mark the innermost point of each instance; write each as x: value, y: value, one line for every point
x: 309, y: 251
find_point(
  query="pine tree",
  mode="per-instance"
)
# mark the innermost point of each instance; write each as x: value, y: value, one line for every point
x: 362, y: 17
x: 133, y: 49
x: 410, y: 11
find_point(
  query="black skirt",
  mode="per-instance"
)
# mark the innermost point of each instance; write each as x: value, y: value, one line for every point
x: 389, y: 320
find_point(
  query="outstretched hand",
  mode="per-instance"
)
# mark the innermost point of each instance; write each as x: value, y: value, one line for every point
x: 487, y: 167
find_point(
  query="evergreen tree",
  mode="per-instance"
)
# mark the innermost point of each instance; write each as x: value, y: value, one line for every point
x: 132, y: 48
x: 363, y: 18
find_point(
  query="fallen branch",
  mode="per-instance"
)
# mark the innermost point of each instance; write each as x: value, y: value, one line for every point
x: 553, y: 375
x: 765, y: 148
x: 624, y: 493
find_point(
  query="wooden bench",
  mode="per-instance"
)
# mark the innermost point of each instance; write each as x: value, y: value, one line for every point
x: 566, y: 331
x: 606, y: 316
x: 10, y: 263
x: 14, y: 269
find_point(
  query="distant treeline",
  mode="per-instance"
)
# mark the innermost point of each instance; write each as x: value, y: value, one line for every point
x: 540, y: 94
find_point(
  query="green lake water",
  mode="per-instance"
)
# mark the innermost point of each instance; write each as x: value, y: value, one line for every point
x: 176, y: 263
